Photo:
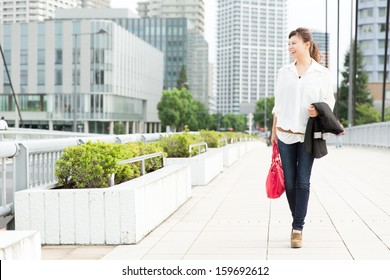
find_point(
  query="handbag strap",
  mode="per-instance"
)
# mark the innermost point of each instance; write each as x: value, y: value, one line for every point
x: 275, y: 152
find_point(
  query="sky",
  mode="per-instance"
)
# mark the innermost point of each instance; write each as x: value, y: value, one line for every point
x: 301, y: 13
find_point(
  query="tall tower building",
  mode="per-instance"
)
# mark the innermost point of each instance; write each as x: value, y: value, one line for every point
x: 190, y: 9
x: 39, y: 10
x: 371, y: 40
x: 322, y: 40
x: 251, y: 47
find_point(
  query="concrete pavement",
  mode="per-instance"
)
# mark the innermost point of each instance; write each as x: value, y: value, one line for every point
x: 231, y: 218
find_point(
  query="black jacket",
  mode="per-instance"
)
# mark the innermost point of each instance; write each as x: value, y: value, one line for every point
x: 325, y: 122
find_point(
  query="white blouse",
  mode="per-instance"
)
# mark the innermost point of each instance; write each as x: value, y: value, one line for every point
x: 293, y: 96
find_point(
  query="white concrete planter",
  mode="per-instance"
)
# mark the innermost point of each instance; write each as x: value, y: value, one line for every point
x: 230, y: 154
x: 122, y: 214
x: 20, y: 245
x: 243, y: 148
x: 204, y: 167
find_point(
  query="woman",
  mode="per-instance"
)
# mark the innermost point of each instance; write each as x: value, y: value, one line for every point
x: 298, y: 85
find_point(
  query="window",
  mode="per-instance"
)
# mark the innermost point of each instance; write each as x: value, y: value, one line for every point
x: 99, y: 77
x: 366, y: 28
x: 23, y: 77
x: 41, y: 56
x: 23, y: 57
x: 367, y: 44
x: 58, y: 77
x: 58, y: 56
x: 382, y: 12
x: 382, y: 27
x: 41, y: 77
x: 367, y: 13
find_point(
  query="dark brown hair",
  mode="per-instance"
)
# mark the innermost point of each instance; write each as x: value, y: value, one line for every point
x: 306, y: 36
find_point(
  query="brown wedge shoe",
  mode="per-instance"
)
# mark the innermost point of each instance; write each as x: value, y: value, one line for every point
x: 296, y: 239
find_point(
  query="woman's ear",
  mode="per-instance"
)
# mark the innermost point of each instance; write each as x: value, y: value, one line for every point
x: 307, y: 45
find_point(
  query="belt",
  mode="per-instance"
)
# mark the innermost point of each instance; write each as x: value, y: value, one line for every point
x: 289, y: 131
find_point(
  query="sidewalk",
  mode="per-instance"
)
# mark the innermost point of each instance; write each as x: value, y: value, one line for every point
x: 231, y: 218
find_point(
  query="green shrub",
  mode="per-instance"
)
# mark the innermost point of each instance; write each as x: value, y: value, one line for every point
x: 91, y: 165
x: 177, y: 145
x: 125, y: 172
x: 146, y: 149
x: 212, y: 138
x: 156, y: 162
x: 87, y: 166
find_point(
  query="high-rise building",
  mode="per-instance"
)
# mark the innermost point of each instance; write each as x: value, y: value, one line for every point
x: 92, y: 73
x: 251, y: 47
x: 190, y: 9
x: 371, y: 40
x: 322, y: 40
x: 38, y: 10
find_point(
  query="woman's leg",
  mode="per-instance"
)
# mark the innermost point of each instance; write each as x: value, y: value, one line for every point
x: 289, y: 157
x: 297, y: 165
x: 304, y: 167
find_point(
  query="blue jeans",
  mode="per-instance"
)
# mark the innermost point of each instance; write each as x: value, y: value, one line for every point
x: 297, y: 165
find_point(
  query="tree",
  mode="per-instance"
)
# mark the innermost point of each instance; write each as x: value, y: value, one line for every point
x: 237, y: 122
x: 119, y: 128
x: 168, y: 109
x: 364, y: 102
x: 200, y: 118
x: 186, y: 108
x: 177, y: 108
x: 366, y: 113
x: 182, y: 81
x: 259, y: 112
x: 387, y: 114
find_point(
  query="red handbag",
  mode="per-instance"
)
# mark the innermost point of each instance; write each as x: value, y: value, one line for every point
x: 275, y: 179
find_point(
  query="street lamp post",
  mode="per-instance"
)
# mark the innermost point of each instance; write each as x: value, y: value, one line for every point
x: 75, y: 76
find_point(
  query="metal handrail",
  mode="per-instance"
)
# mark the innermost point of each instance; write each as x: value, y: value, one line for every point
x: 200, y: 144
x: 222, y: 140
x: 137, y: 159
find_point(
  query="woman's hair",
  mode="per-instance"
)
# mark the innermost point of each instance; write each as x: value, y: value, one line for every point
x: 306, y: 36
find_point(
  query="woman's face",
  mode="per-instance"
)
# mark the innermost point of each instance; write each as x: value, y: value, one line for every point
x: 297, y: 47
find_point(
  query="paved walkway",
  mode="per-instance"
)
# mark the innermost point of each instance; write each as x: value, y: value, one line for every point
x: 231, y: 218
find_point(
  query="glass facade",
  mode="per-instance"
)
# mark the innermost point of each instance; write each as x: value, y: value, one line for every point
x: 167, y: 35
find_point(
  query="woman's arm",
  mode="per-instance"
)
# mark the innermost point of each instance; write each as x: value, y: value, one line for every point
x: 274, y: 137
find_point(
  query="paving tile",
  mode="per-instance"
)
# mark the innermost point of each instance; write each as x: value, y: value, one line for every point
x: 93, y: 250
x: 163, y: 257
x: 224, y: 257
x: 170, y: 247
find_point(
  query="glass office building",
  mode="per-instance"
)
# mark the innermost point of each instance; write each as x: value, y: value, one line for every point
x: 90, y: 72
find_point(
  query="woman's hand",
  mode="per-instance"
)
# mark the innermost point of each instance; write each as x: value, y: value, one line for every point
x: 312, y: 111
x: 274, y: 138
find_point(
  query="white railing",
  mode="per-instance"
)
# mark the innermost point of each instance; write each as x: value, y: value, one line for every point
x: 20, y: 134
x: 138, y: 159
x: 369, y: 135
x: 199, y: 145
